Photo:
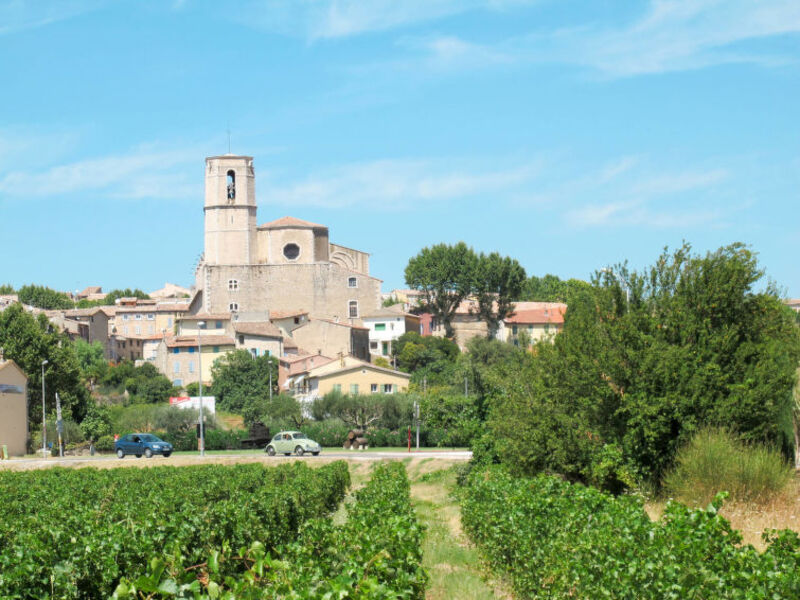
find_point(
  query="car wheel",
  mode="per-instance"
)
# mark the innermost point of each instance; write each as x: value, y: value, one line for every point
x: 287, y: 453
x: 148, y: 453
x: 315, y: 453
x: 167, y: 454
x: 270, y: 450
x: 120, y: 453
x: 299, y: 451
x: 138, y: 456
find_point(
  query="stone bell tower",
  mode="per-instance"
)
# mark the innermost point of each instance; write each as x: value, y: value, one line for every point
x: 230, y: 211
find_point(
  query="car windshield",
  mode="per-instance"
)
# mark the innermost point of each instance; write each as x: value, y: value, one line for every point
x: 299, y: 436
x: 146, y: 437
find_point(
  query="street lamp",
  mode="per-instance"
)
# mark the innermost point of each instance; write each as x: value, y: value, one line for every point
x: 200, y: 326
x: 621, y: 281
x: 44, y: 413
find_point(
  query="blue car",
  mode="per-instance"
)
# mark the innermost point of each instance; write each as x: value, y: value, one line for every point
x: 141, y: 443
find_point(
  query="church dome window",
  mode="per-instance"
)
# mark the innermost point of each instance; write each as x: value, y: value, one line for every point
x: 291, y: 251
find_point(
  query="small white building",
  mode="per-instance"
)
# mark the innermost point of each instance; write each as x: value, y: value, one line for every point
x: 385, y: 326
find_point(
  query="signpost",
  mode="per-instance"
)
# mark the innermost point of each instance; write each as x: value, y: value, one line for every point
x: 59, y: 427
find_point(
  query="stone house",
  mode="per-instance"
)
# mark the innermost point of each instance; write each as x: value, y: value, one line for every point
x: 386, y: 325
x: 333, y: 338
x: 13, y: 407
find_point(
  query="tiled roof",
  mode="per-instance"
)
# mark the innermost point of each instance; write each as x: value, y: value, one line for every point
x: 186, y: 341
x: 543, y: 315
x: 289, y: 343
x: 92, y: 289
x: 262, y: 329
x: 153, y: 308
x: 207, y: 317
x: 351, y: 363
x: 290, y: 222
x: 387, y: 312
x: 341, y: 323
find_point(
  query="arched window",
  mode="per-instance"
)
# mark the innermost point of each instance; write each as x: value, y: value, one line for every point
x: 353, y: 309
x: 352, y: 282
x: 233, y: 306
x: 231, y: 185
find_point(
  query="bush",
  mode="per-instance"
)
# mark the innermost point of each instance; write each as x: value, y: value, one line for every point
x: 105, y: 444
x: 330, y: 433
x: 715, y: 460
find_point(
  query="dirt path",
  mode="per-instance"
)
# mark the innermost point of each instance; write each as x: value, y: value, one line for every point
x: 452, y: 562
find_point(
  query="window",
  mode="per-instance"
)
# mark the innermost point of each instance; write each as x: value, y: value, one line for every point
x: 297, y: 320
x: 151, y: 317
x: 177, y: 383
x: 254, y: 352
x: 231, y: 188
x: 218, y: 324
x: 337, y: 387
x: 138, y: 330
x: 216, y: 349
x: 380, y: 326
x: 353, y: 307
x: 354, y: 389
x: 547, y: 327
x: 233, y: 285
x: 191, y: 366
x: 124, y: 317
x: 191, y: 350
x: 176, y: 367
x: 388, y: 388
x: 373, y: 388
x: 291, y: 251
x: 138, y: 317
x: 514, y: 329
x: 169, y: 322
x: 352, y: 282
x: 233, y: 306
x: 176, y: 350
x: 373, y: 345
x: 385, y: 348
x: 125, y: 330
x: 241, y: 339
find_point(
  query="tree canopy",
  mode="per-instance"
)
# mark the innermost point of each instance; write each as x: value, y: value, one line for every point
x: 696, y: 344
x: 43, y: 297
x: 240, y: 380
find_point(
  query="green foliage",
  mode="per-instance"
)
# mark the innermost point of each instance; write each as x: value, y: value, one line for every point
x: 375, y: 555
x: 146, y: 418
x: 6, y: 289
x: 144, y: 384
x: 390, y: 301
x: 105, y: 443
x: 554, y: 539
x: 29, y: 340
x: 696, y: 345
x: 382, y: 362
x: 76, y: 533
x: 91, y: 359
x: 428, y: 357
x: 454, y: 415
x: 241, y: 380
x: 43, y: 297
x: 358, y: 411
x: 445, y: 275
x: 97, y: 422
x: 551, y: 288
x: 114, y: 295
x: 498, y: 283
x: 715, y: 461
x: 281, y: 412
x: 329, y: 433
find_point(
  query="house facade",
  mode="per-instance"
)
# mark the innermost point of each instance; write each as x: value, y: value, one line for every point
x: 13, y: 407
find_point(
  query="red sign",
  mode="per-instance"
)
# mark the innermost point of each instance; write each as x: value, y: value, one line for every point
x: 176, y: 399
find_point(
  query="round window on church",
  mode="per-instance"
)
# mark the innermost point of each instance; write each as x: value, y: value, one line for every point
x: 291, y: 251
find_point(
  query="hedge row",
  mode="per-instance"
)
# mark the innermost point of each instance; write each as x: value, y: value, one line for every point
x: 74, y: 533
x: 375, y: 554
x: 559, y: 540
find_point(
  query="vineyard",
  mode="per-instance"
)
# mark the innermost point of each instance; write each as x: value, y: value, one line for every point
x: 558, y: 540
x: 243, y: 531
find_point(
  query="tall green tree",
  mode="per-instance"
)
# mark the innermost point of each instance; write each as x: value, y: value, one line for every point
x: 695, y: 344
x: 498, y: 283
x: 6, y: 288
x: 29, y: 340
x: 44, y: 297
x: 445, y: 275
x: 240, y: 379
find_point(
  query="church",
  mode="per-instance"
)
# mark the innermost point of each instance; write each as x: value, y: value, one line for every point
x: 285, y: 265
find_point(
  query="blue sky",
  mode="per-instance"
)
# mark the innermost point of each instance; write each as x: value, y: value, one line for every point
x: 568, y: 134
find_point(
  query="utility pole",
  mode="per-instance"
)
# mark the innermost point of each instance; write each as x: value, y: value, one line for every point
x: 416, y: 418
x: 44, y: 415
x: 200, y: 326
x: 59, y: 427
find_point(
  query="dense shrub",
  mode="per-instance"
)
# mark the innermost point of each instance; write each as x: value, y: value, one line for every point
x: 215, y: 439
x: 555, y: 539
x: 105, y: 444
x: 330, y: 433
x: 375, y: 555
x: 714, y: 460
x: 74, y: 533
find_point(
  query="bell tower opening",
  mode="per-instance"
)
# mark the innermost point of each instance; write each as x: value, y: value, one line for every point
x: 231, y: 186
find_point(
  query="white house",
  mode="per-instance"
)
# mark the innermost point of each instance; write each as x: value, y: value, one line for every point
x: 385, y: 326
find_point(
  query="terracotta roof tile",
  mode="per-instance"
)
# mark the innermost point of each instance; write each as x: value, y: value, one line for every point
x: 183, y: 341
x: 290, y: 222
x: 262, y: 329
x: 286, y: 314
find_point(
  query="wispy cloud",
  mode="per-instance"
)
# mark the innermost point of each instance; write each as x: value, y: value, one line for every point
x: 326, y: 19
x: 16, y: 15
x: 145, y: 172
x: 669, y: 35
x: 398, y: 184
